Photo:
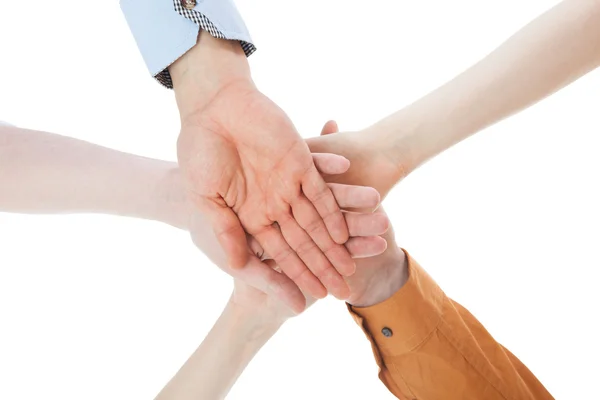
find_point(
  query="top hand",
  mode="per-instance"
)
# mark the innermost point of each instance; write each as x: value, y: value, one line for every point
x: 242, y: 155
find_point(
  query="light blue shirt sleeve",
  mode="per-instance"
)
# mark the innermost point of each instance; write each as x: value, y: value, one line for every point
x: 164, y: 30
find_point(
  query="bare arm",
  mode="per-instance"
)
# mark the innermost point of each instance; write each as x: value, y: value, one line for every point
x: 42, y: 172
x: 214, y: 367
x: 546, y: 55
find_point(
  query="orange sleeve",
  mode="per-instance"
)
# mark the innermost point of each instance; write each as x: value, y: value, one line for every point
x: 429, y: 347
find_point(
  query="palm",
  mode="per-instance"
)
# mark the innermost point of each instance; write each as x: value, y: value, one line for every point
x: 242, y: 155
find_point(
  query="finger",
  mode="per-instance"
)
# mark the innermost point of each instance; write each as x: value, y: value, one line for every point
x: 363, y: 247
x: 350, y: 196
x: 255, y: 247
x: 330, y: 164
x: 358, y: 247
x: 319, y: 194
x: 263, y: 277
x: 228, y: 231
x: 317, y: 261
x: 273, y: 265
x: 309, y: 300
x: 271, y: 239
x: 367, y: 226
x: 329, y: 127
x: 308, y: 219
x: 323, y: 202
x: 360, y: 224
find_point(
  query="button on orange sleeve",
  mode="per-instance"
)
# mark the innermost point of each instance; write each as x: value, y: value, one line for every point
x: 429, y: 347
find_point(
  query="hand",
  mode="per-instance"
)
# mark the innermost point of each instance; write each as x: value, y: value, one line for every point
x: 374, y: 160
x: 248, y: 170
x: 376, y: 278
x: 363, y: 242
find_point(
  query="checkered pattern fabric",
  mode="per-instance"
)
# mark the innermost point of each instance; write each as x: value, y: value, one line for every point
x: 204, y: 23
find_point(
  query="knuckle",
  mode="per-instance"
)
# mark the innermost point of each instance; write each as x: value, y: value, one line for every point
x: 333, y: 249
x: 314, y: 227
x: 306, y: 247
x: 226, y: 231
x: 282, y: 256
x: 328, y: 274
x: 302, y: 278
x: 321, y: 195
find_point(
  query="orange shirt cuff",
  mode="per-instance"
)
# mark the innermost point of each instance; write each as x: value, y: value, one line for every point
x: 405, y: 320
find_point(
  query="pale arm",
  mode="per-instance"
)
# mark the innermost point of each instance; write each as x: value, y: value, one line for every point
x: 42, y: 172
x: 214, y: 367
x: 547, y: 54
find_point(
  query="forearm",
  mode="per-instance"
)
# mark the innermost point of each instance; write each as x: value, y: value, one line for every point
x: 47, y: 173
x: 214, y: 367
x: 549, y: 53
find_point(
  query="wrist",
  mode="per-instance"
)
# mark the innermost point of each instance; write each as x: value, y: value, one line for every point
x: 391, y: 276
x: 401, y: 136
x: 172, y: 204
x: 206, y: 69
x: 255, y: 324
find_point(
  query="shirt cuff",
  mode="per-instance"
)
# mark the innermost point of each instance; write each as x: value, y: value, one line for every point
x: 165, y: 30
x: 405, y: 320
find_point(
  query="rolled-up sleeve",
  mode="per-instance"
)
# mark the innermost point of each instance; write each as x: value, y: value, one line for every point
x: 429, y: 347
x: 164, y: 30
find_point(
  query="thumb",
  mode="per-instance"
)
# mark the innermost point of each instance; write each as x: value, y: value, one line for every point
x: 329, y: 128
x: 228, y: 231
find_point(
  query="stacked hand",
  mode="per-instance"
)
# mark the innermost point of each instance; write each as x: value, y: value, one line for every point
x: 265, y: 280
x: 249, y: 171
x: 380, y: 264
x: 378, y: 277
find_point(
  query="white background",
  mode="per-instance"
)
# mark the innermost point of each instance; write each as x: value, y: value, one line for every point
x: 96, y: 307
